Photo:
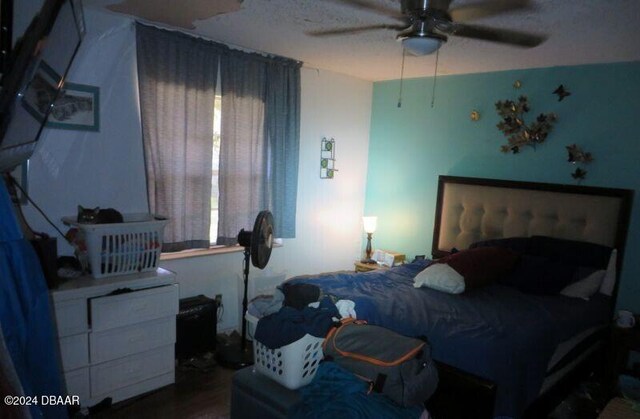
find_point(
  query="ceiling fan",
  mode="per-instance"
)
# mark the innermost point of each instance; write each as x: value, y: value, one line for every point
x: 424, y: 25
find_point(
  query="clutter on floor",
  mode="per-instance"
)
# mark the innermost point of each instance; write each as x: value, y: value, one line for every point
x: 585, y: 402
x: 288, y: 330
x: 205, y: 362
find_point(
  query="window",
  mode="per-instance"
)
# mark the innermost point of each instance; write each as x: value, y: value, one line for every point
x: 215, y: 164
x: 182, y: 134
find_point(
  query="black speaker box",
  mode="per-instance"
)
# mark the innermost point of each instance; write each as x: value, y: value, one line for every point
x: 196, y: 327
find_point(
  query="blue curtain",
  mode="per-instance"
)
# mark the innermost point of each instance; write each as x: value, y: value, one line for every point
x: 282, y: 122
x: 260, y: 140
x: 25, y: 315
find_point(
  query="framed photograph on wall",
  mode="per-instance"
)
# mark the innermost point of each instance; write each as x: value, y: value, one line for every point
x: 76, y: 107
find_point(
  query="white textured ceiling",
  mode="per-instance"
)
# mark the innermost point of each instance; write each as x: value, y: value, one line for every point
x: 580, y: 32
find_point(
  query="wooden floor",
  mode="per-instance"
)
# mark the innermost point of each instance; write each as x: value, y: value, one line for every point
x: 196, y: 394
x: 207, y: 394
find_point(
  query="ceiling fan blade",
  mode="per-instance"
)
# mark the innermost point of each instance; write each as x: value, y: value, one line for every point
x: 405, y: 32
x: 353, y: 30
x: 482, y: 8
x: 503, y: 36
x: 364, y: 4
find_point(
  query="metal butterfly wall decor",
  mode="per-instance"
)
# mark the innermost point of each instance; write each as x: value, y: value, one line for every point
x: 561, y: 92
x: 576, y: 155
x: 518, y: 132
x: 579, y: 174
x: 580, y: 157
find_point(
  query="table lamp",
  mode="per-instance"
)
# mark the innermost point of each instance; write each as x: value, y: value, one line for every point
x: 370, y: 224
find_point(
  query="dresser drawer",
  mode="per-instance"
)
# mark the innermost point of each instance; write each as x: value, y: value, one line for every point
x: 113, y: 311
x: 115, y: 343
x: 74, y: 351
x: 122, y: 372
x: 71, y: 316
x: 78, y: 384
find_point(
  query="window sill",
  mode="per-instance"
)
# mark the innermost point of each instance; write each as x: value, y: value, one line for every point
x: 214, y: 250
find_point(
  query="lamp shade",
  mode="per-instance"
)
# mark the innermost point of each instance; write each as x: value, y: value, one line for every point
x: 421, y: 45
x: 370, y: 224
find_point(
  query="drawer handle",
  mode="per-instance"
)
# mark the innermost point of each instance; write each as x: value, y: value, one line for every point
x: 141, y: 308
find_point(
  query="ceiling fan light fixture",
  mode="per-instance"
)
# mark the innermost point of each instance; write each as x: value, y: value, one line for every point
x: 421, y: 45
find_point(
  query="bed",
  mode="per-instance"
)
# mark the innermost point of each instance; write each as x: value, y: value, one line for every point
x: 497, y: 341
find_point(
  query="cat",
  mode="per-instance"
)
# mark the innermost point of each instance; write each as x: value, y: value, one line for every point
x: 76, y: 236
x: 98, y: 216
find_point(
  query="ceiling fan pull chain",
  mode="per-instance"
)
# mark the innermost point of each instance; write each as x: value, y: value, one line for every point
x: 404, y: 53
x: 435, y: 77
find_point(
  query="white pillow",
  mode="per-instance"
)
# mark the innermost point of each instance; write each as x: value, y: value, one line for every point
x: 441, y: 277
x: 586, y: 287
x: 609, y: 281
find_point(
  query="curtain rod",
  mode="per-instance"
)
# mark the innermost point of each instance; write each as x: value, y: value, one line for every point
x: 232, y: 47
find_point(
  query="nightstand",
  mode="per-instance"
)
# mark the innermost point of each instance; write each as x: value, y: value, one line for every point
x: 366, y: 267
x: 398, y: 259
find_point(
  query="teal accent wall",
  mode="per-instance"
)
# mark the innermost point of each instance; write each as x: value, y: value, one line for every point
x: 411, y: 145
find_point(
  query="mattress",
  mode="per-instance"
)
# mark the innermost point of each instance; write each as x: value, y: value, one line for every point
x: 494, y: 332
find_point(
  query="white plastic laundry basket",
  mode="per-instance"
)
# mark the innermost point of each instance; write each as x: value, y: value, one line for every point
x: 292, y: 365
x: 122, y: 248
x: 252, y: 322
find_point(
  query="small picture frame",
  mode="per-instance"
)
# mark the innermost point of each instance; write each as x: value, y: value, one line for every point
x: 76, y: 107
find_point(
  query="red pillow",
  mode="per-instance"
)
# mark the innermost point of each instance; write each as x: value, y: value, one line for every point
x: 482, y: 265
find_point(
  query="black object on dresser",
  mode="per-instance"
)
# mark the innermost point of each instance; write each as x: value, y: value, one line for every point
x: 196, y: 326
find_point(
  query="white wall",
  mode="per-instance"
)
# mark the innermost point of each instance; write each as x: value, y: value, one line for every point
x: 106, y: 169
x: 94, y: 168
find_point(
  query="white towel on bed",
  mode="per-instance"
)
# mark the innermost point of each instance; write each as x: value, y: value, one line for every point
x: 346, y: 308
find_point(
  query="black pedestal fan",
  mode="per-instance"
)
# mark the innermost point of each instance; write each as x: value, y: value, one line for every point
x: 257, y: 245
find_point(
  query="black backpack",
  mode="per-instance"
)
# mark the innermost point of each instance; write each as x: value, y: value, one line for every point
x: 397, y: 366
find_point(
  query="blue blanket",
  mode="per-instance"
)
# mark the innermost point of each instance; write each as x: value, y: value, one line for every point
x: 336, y: 393
x: 495, y: 332
x: 25, y: 315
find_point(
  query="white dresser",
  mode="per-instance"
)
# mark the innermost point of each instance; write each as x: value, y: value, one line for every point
x: 117, y: 334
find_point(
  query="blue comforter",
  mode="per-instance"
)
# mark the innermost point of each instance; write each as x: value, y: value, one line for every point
x: 495, y: 332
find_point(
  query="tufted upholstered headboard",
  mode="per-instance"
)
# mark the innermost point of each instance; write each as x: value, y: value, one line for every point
x: 473, y: 209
